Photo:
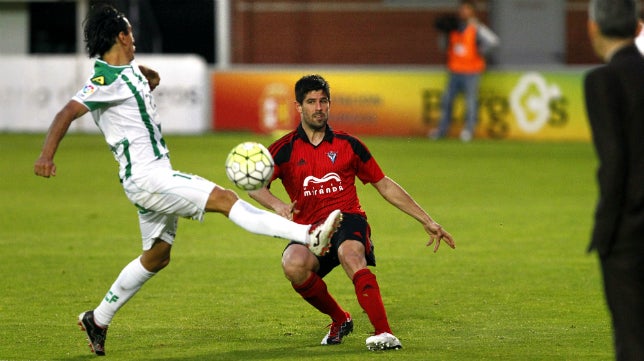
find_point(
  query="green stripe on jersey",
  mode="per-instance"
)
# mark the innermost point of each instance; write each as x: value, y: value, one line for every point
x: 126, y: 152
x: 95, y: 105
x: 145, y: 117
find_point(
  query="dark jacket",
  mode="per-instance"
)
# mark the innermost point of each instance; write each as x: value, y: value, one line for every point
x: 615, y: 104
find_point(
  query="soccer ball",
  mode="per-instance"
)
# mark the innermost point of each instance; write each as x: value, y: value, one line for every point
x: 249, y: 165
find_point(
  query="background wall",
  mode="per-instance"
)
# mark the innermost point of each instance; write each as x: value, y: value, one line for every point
x: 551, y: 32
x: 533, y: 32
x: 34, y: 88
x: 369, y: 32
x: 14, y: 19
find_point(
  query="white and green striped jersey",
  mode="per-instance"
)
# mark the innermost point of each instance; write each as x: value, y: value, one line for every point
x: 122, y: 106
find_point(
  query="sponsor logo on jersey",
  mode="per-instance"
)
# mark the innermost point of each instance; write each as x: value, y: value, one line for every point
x: 330, y: 183
x: 100, y: 80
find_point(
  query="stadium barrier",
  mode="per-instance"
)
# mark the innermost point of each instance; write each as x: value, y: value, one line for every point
x: 34, y: 88
x: 192, y: 99
x: 539, y: 105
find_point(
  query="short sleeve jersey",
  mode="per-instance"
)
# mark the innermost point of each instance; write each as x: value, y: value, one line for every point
x: 322, y: 178
x: 122, y: 106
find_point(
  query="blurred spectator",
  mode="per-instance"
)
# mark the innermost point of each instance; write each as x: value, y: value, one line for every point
x: 467, y: 42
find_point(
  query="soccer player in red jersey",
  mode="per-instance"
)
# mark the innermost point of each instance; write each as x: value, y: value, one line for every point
x: 318, y: 167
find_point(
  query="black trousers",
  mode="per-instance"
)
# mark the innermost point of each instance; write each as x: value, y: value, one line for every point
x: 623, y: 272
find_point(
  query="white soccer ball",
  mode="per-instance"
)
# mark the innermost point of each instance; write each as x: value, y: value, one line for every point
x: 250, y: 166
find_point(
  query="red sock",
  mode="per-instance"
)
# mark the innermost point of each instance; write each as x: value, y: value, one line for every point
x: 369, y: 298
x: 315, y: 292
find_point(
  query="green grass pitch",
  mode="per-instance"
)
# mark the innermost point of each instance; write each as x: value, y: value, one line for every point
x: 519, y: 285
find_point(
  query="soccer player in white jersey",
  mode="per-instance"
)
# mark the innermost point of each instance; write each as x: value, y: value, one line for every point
x: 118, y: 95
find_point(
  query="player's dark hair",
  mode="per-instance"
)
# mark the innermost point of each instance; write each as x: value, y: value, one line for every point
x: 309, y: 83
x: 615, y: 18
x: 101, y: 27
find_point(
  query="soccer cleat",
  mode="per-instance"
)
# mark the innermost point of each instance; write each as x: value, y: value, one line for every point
x: 95, y: 334
x: 383, y: 341
x: 320, y: 236
x: 338, y: 330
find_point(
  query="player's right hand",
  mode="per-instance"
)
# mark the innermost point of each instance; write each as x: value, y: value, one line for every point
x: 44, y: 167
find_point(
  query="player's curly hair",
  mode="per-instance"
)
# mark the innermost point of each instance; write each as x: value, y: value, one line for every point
x: 101, y: 27
x: 310, y: 83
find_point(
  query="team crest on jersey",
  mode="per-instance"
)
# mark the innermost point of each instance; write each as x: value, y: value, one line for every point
x: 332, y: 155
x: 100, y: 80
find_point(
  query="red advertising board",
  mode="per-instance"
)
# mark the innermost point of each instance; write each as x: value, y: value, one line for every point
x: 512, y: 104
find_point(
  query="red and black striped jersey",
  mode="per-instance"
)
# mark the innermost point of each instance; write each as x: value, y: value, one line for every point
x: 322, y: 178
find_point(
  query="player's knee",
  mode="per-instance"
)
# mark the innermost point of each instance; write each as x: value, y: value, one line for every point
x: 295, y: 275
x: 221, y: 200
x: 157, y: 257
x: 158, y: 266
x: 351, y: 255
x: 163, y: 263
x: 155, y: 264
x: 297, y: 262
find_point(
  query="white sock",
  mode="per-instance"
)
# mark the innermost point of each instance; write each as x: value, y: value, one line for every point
x: 259, y: 221
x: 127, y: 284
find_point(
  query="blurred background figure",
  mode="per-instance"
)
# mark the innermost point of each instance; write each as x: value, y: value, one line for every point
x: 467, y: 42
x: 639, y: 39
x: 614, y: 94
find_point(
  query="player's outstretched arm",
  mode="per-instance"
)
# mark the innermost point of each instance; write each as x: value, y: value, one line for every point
x: 44, y: 165
x: 264, y: 197
x: 396, y: 195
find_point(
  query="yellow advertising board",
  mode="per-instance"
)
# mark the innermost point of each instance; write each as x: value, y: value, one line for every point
x: 544, y: 105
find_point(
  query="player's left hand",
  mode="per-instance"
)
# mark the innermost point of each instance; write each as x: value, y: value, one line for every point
x: 287, y: 210
x: 438, y: 234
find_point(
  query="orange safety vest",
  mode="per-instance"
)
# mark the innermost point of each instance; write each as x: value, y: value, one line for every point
x: 462, y: 53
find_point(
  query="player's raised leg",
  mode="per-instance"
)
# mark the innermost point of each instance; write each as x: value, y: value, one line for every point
x: 259, y: 221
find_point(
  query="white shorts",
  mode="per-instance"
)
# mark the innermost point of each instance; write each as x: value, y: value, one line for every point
x: 162, y: 196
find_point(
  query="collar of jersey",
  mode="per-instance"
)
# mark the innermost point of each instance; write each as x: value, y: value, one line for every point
x: 328, y: 134
x: 102, y: 63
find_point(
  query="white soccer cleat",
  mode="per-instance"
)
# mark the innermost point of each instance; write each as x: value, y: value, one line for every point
x: 320, y: 236
x: 383, y: 341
